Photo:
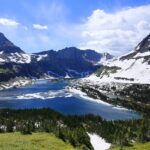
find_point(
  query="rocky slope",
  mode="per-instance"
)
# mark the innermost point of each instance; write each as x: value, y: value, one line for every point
x: 126, y: 79
x: 133, y: 67
x: 68, y: 62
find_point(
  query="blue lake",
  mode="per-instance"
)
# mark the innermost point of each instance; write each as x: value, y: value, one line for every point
x: 48, y: 94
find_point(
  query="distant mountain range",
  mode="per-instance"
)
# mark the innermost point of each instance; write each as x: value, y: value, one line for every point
x: 133, y: 67
x: 65, y: 63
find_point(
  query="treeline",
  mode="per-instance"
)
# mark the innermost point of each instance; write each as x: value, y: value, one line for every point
x: 128, y: 100
x: 44, y: 120
x: 123, y: 132
x: 73, y: 129
x: 117, y: 132
x: 138, y: 92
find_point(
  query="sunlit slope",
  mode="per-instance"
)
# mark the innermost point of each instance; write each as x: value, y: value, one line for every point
x: 36, y: 141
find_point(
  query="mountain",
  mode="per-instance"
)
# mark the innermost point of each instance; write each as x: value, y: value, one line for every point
x: 68, y: 62
x: 8, y: 47
x: 142, y: 50
x: 133, y: 67
x: 74, y: 53
x: 11, y: 53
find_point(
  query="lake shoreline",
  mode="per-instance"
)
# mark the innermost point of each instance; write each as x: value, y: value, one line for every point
x: 15, y: 83
x: 86, y: 97
x: 57, y: 95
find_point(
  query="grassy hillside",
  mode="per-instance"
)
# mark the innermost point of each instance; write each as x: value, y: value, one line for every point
x: 139, y: 146
x: 36, y: 141
x: 72, y: 129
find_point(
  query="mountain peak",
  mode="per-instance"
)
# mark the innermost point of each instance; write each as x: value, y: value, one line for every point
x: 7, y: 46
x: 141, y: 50
x: 144, y: 45
x: 4, y: 41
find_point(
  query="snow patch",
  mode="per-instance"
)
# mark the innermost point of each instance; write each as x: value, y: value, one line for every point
x: 131, y: 71
x: 2, y: 60
x: 98, y: 142
x: 26, y: 58
x: 40, y: 57
x: 1, y: 52
x: 20, y: 58
x: 67, y: 76
x: 142, y: 54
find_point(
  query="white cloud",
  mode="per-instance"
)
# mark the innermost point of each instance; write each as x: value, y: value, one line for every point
x: 40, y: 27
x: 8, y: 22
x: 116, y: 32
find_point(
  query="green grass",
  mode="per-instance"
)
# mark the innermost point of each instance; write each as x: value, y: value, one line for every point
x: 137, y: 146
x: 36, y: 141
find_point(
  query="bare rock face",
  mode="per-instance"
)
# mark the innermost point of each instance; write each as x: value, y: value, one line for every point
x: 7, y: 46
x: 70, y: 61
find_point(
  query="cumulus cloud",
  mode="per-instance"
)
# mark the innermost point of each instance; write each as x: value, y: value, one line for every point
x: 8, y: 22
x: 116, y: 32
x: 40, y: 27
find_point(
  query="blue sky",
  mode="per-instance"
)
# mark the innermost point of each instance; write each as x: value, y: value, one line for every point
x: 37, y: 25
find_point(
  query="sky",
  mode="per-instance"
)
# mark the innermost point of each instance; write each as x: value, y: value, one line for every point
x: 114, y: 26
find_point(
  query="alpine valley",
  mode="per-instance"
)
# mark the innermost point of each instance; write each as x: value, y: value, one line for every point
x: 127, y: 77
x: 80, y: 99
x: 16, y: 65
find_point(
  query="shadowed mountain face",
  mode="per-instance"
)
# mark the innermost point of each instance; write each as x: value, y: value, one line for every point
x: 71, y: 61
x: 8, y: 47
x: 68, y: 62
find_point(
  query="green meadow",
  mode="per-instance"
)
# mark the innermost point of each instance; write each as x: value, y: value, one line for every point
x: 35, y: 141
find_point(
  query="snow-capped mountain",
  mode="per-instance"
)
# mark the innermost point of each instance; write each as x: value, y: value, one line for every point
x: 68, y: 62
x: 11, y: 53
x: 133, y: 67
x: 14, y: 57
